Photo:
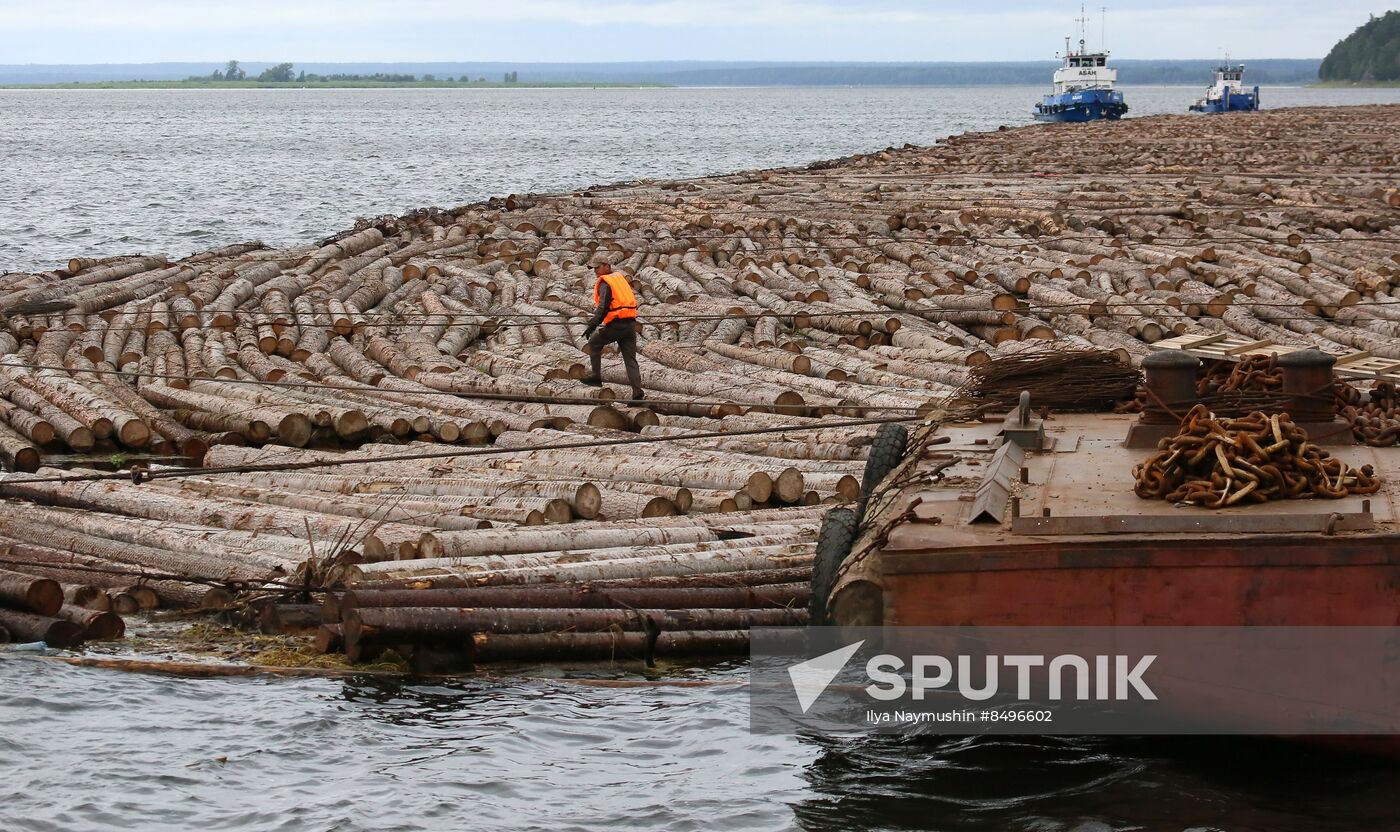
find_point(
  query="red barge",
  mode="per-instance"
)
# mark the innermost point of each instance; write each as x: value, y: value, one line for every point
x: 1032, y: 522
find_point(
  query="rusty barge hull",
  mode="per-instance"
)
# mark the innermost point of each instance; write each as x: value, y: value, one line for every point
x: 1056, y: 536
x: 1038, y: 522
x: 1254, y: 581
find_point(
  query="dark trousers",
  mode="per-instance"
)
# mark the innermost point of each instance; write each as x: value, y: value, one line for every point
x: 622, y: 333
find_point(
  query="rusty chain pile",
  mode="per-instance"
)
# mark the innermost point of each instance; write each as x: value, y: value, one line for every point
x: 1232, y: 388
x: 1218, y: 462
x: 1256, y: 382
x: 1374, y: 420
x: 1252, y: 374
x: 1377, y: 421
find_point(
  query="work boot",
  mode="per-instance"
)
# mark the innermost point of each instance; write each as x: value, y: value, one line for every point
x: 638, y: 395
x: 591, y: 381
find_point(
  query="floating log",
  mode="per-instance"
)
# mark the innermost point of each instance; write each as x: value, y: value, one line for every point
x: 492, y: 647
x: 40, y: 596
x: 27, y: 627
x: 581, y: 596
x: 87, y: 597
x: 288, y: 619
x: 453, y: 625
x: 97, y: 625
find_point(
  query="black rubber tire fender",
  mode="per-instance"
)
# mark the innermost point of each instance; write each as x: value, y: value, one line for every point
x: 838, y: 533
x: 885, y: 453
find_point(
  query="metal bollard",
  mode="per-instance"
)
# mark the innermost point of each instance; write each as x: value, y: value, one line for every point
x: 1170, y: 379
x: 1307, y: 381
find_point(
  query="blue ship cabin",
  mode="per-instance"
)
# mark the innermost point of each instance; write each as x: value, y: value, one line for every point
x: 1228, y: 93
x: 1083, y: 89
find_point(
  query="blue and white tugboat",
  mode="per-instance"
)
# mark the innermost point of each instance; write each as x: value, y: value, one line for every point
x: 1083, y: 88
x: 1228, y: 94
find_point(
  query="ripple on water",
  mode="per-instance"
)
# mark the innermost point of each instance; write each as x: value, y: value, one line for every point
x: 112, y: 750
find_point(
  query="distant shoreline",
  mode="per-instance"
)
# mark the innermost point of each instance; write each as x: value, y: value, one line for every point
x: 292, y: 85
x: 499, y: 85
x: 1355, y: 85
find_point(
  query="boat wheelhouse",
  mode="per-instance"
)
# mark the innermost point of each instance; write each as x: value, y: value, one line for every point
x: 1084, y: 89
x: 1228, y: 93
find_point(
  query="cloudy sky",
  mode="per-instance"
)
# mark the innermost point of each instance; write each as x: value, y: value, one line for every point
x: 130, y: 31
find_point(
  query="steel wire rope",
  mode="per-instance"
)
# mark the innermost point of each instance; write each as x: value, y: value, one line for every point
x: 434, y: 318
x: 968, y: 239
x: 182, y: 473
x: 523, y: 398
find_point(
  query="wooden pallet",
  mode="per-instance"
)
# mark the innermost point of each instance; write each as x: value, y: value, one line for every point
x: 1361, y: 364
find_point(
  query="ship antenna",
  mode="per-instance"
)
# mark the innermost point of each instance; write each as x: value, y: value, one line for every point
x: 1103, y: 28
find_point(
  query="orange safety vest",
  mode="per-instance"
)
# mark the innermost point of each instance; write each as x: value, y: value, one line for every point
x: 624, y: 303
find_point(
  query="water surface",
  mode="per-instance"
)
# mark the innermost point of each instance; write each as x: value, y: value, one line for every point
x: 84, y: 749
x: 90, y: 172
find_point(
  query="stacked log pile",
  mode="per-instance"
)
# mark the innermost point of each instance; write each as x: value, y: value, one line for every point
x: 515, y: 597
x: 34, y: 609
x: 796, y: 299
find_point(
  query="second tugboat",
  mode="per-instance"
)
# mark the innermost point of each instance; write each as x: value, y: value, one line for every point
x: 1229, y: 93
x: 1083, y: 88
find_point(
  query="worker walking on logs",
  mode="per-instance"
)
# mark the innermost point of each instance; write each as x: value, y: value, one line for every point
x: 617, y: 316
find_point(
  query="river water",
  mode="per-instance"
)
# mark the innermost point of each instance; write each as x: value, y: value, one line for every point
x: 176, y: 171
x: 104, y: 172
x: 84, y: 749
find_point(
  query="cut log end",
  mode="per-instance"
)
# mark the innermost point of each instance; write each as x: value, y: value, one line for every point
x: 26, y: 460
x: 295, y: 429
x: 588, y: 501
x: 558, y: 511
x: 216, y: 598
x: 134, y: 434
x: 88, y: 597
x: 40, y: 596
x: 659, y: 507
x: 607, y: 417
x: 124, y: 603
x: 759, y: 487
x: 146, y: 598
x: 789, y: 486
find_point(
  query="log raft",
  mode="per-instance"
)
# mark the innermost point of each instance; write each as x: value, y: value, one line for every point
x: 786, y: 300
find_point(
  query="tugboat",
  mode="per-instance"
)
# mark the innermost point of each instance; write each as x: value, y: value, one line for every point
x: 1229, y: 93
x: 1083, y: 87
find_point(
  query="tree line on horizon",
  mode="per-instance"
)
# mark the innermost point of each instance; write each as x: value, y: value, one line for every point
x: 1184, y: 72
x: 1371, y: 53
x: 282, y: 74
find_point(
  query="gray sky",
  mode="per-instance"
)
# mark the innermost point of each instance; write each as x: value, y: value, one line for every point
x: 133, y: 31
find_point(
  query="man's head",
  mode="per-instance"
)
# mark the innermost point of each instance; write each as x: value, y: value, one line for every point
x: 602, y: 269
